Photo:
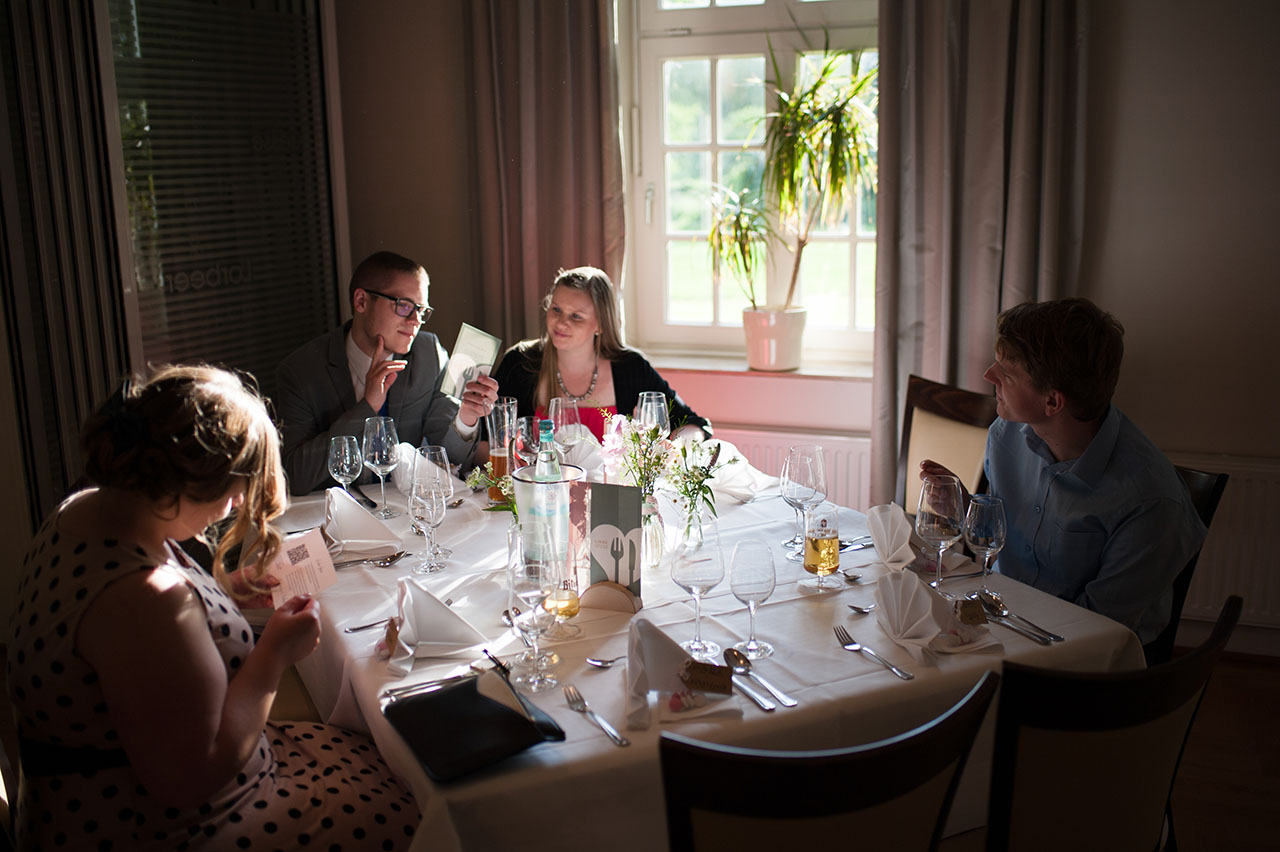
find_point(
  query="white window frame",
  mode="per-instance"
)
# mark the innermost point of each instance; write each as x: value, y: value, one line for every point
x: 718, y: 32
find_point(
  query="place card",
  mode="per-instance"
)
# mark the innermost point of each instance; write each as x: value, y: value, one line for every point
x: 615, y: 535
x: 474, y: 353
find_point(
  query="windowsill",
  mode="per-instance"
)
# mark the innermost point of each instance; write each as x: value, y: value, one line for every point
x: 810, y: 368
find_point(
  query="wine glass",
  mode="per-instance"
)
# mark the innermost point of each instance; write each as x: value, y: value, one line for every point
x: 524, y: 443
x: 985, y: 528
x: 651, y: 412
x: 563, y: 412
x: 345, y: 460
x: 751, y: 580
x: 426, y: 508
x: 531, y: 580
x: 940, y: 516
x: 821, y: 546
x: 697, y: 567
x: 803, y: 483
x: 433, y: 462
x: 381, y: 455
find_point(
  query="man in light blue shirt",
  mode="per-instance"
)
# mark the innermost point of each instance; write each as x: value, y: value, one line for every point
x: 1096, y: 514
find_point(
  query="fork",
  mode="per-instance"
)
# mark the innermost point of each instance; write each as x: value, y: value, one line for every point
x: 847, y: 642
x: 579, y: 704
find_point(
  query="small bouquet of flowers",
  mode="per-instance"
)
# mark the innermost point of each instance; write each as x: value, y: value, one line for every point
x: 692, y: 468
x: 482, y: 476
x: 636, y: 454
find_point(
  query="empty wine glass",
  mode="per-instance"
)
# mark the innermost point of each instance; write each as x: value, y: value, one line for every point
x: 697, y: 567
x: 940, y: 516
x: 381, y: 455
x: 751, y: 579
x: 563, y: 412
x: 803, y: 483
x: 652, y: 412
x: 985, y: 528
x: 427, y: 508
x: 531, y: 580
x: 524, y: 443
x: 433, y: 462
x: 345, y: 460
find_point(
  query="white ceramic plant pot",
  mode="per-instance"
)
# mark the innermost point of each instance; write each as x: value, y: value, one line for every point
x: 774, y: 337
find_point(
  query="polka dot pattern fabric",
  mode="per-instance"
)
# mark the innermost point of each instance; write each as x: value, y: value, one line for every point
x: 306, y: 785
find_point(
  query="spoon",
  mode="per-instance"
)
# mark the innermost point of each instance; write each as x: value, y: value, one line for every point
x: 851, y: 578
x: 862, y: 610
x: 605, y: 663
x: 995, y: 602
x: 510, y: 622
x: 741, y: 665
x: 453, y: 504
x: 378, y: 561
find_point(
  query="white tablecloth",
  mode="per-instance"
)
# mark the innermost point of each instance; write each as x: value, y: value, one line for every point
x: 571, y: 795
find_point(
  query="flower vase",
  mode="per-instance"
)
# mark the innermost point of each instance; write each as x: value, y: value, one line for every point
x: 653, y: 539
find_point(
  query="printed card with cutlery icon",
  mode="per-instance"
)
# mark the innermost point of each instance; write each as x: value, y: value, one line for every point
x: 615, y: 535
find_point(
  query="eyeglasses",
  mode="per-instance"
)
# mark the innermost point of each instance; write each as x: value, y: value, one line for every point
x: 404, y: 307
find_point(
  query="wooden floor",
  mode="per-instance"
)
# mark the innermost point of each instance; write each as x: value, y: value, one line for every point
x: 1227, y: 796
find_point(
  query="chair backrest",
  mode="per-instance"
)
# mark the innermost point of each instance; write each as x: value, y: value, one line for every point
x: 946, y: 424
x: 1206, y: 492
x: 1087, y: 761
x: 892, y: 794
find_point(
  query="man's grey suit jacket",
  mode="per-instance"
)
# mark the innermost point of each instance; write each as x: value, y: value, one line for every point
x: 315, y: 400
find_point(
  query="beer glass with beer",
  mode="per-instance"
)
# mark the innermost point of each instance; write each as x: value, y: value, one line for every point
x: 821, y: 546
x: 501, y: 422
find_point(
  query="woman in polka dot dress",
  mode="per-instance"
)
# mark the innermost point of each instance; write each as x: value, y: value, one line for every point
x: 140, y: 695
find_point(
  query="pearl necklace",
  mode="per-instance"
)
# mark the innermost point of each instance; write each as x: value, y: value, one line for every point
x: 595, y: 374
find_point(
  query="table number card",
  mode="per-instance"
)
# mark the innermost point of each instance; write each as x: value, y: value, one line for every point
x: 615, y: 535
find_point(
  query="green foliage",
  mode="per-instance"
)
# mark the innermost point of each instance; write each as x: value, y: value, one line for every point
x: 737, y: 239
x: 819, y: 146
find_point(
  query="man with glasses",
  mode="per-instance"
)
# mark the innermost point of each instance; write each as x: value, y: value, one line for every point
x: 379, y: 363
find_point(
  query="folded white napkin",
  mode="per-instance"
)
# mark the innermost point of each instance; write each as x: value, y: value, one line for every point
x: 428, y: 628
x: 402, y: 475
x: 492, y: 686
x: 923, y: 622
x: 738, y: 479
x: 891, y: 534
x: 349, y: 529
x: 653, y: 664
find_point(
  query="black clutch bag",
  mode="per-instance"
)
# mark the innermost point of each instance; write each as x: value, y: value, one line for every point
x: 456, y: 730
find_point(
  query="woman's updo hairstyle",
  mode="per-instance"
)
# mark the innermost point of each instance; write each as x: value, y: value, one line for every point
x: 193, y: 432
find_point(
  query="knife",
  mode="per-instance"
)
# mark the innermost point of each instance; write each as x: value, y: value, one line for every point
x: 765, y: 704
x: 783, y: 698
x: 1016, y: 628
x: 360, y: 495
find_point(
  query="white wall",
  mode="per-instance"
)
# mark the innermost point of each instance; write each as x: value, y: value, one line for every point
x: 1183, y: 207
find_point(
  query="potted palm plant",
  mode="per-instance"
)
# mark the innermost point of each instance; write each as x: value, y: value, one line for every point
x: 818, y: 151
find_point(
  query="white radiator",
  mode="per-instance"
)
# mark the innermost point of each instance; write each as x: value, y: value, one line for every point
x: 847, y: 459
x: 1239, y: 554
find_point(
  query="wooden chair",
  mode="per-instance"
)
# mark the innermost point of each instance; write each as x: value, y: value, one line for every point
x: 1088, y: 761
x: 892, y: 794
x: 946, y: 424
x: 1206, y: 492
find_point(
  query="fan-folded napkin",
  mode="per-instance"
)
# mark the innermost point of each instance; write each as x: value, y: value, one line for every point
x: 428, y: 628
x: 922, y: 621
x: 891, y: 534
x: 737, y: 478
x: 348, y: 528
x: 585, y: 452
x: 653, y: 664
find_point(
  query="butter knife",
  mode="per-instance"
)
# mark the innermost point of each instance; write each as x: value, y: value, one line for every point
x: 1017, y: 628
x: 764, y: 703
x: 360, y: 496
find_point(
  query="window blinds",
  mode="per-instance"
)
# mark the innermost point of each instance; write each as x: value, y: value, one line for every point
x: 222, y: 120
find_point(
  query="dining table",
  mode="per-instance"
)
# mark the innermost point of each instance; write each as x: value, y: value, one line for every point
x: 584, y: 792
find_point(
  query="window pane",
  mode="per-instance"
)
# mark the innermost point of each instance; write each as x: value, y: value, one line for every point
x: 741, y: 170
x: 688, y: 282
x: 739, y: 2
x: 686, y: 95
x: 824, y: 280
x: 865, y: 289
x: 685, y: 4
x: 688, y: 185
x: 740, y: 90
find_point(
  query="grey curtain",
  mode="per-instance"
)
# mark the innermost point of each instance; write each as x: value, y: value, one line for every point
x: 549, y: 166
x: 981, y: 187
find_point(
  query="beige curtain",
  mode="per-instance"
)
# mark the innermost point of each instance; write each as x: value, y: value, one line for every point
x: 548, y: 156
x: 981, y: 187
